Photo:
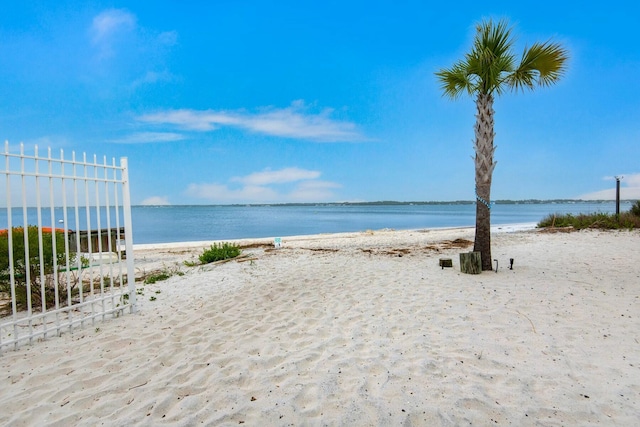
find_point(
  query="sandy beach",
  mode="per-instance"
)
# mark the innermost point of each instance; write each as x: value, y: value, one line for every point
x: 355, y: 329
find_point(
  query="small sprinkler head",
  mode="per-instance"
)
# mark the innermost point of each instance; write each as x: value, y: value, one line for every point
x: 510, y: 263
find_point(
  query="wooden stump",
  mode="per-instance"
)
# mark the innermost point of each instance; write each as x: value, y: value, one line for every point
x: 471, y: 263
x: 445, y: 262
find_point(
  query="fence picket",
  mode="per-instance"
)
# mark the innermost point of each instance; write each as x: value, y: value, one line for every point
x: 47, y: 282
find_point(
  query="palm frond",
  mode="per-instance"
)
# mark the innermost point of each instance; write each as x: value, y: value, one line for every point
x: 491, y: 57
x: 542, y: 64
x: 456, y: 80
x: 493, y: 40
x: 491, y: 66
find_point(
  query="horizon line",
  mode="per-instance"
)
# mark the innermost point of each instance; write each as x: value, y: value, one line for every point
x: 395, y: 202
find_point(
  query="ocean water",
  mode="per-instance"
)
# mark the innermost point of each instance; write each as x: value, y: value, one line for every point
x: 166, y: 224
x: 163, y: 224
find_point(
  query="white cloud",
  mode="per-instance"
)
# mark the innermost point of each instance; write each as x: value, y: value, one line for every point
x: 631, y: 180
x: 107, y: 25
x: 267, y: 177
x: 629, y: 189
x: 262, y: 187
x: 292, y: 122
x: 156, y: 201
x: 192, y: 119
x: 149, y: 137
x: 223, y: 194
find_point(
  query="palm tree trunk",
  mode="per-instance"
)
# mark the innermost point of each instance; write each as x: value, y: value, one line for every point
x: 484, y: 164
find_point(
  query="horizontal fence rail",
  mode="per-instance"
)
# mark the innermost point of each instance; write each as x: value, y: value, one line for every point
x: 65, y: 233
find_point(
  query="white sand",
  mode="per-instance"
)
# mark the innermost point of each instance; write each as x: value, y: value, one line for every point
x: 357, y: 329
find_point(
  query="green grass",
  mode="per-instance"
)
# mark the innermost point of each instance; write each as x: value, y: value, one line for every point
x: 601, y: 221
x: 157, y: 277
x: 164, y: 274
x: 219, y: 253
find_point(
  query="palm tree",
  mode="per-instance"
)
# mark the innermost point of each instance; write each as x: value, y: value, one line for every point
x: 490, y: 69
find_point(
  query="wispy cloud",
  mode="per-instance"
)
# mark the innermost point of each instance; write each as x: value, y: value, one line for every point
x: 294, y: 121
x: 111, y: 21
x: 267, y: 187
x: 127, y: 54
x: 192, y: 119
x: 218, y: 193
x: 281, y: 176
x: 629, y: 189
x: 156, y: 201
x: 149, y: 137
x: 312, y: 191
x: 107, y: 25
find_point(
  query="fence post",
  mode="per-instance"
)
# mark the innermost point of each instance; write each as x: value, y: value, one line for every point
x: 618, y: 178
x: 128, y: 234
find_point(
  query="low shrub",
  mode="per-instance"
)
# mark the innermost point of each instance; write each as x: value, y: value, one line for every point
x: 598, y: 220
x: 635, y: 209
x: 219, y: 253
x: 33, y: 274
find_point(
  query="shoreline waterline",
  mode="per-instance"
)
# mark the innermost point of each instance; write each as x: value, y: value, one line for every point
x: 501, y: 228
x: 169, y: 224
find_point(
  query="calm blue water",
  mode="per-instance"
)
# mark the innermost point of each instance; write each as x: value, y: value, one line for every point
x: 165, y: 224
x: 194, y: 223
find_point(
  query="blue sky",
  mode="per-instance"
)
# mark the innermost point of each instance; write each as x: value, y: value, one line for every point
x: 298, y: 101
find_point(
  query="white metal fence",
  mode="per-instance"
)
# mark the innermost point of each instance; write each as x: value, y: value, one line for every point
x: 65, y: 233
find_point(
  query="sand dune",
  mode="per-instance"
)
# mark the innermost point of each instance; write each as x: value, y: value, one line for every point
x: 356, y: 329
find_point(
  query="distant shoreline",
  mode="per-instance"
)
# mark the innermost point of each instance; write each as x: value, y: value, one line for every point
x: 400, y: 203
x: 185, y: 223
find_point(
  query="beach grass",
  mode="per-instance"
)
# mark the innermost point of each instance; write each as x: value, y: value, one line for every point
x: 598, y: 220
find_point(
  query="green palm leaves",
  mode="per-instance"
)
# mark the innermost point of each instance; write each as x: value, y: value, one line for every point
x: 491, y: 66
x: 541, y: 64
